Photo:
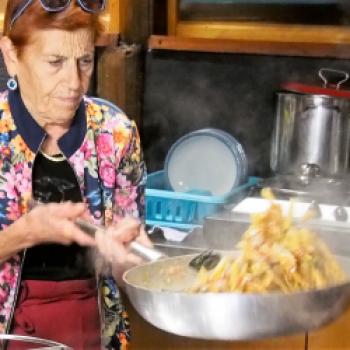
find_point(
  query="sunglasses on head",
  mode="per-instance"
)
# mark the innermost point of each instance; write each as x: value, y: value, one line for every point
x: 92, y: 6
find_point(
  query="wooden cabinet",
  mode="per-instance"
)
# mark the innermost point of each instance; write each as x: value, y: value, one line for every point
x: 204, y: 31
x: 282, y: 21
x: 335, y: 336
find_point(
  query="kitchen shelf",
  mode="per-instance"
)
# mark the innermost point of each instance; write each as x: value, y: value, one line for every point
x: 252, y: 36
x: 170, y: 42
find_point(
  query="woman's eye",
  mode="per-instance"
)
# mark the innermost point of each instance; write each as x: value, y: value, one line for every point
x: 55, y: 63
x: 86, y: 62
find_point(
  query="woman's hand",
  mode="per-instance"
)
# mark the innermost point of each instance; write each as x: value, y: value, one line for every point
x: 113, y: 245
x: 54, y: 223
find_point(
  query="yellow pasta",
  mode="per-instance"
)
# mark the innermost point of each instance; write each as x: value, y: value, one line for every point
x: 274, y: 255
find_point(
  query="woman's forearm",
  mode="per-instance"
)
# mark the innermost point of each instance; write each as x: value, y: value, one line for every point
x: 49, y: 223
x: 12, y: 239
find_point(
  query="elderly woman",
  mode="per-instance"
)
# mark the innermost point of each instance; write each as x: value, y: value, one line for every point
x: 81, y: 157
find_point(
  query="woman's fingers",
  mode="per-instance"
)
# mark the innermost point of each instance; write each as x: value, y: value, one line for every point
x: 67, y: 210
x: 68, y: 232
x: 144, y: 239
x: 109, y: 248
x: 113, y: 243
x: 80, y: 237
x: 126, y: 230
x: 54, y: 222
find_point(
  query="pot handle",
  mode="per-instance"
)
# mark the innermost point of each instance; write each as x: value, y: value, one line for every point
x: 325, y: 80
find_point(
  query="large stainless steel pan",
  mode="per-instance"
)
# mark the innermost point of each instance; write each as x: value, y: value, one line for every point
x: 227, y: 316
x: 44, y: 343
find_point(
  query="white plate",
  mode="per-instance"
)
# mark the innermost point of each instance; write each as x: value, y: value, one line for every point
x: 209, y: 161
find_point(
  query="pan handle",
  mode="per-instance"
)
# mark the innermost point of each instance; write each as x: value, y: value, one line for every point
x: 49, y: 344
x: 149, y: 254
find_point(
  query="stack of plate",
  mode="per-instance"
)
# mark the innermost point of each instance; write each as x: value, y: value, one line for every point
x: 208, y: 161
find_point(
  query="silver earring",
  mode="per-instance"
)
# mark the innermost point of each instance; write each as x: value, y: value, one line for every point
x: 12, y: 84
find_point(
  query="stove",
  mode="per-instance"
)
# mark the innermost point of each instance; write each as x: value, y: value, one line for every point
x: 330, y: 198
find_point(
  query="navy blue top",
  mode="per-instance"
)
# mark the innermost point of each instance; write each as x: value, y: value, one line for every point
x: 33, y: 134
x: 53, y: 182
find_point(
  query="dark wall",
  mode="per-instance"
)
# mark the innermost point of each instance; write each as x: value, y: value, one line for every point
x: 3, y: 74
x: 234, y: 92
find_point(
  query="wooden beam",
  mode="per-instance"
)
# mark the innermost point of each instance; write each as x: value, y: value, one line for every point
x: 107, y: 39
x: 118, y: 77
x: 136, y: 16
x: 173, y: 16
x: 114, y: 15
x: 3, y: 4
x: 1, y: 22
x: 256, y: 31
x: 249, y: 47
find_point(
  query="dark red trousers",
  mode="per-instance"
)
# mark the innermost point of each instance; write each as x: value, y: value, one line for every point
x: 65, y: 312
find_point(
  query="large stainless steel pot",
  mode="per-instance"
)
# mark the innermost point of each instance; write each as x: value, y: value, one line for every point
x: 227, y: 316
x: 312, y: 131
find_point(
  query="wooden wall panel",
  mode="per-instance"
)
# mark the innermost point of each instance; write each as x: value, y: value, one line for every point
x: 119, y: 78
x: 137, y: 21
x: 3, y: 4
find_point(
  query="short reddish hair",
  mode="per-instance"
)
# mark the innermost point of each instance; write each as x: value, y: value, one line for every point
x: 35, y: 17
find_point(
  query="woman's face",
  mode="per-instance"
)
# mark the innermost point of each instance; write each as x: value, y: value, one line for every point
x: 54, y: 72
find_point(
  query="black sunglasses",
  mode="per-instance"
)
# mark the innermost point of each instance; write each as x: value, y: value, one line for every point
x: 92, y: 6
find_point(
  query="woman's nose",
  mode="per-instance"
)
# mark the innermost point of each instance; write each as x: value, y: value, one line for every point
x: 74, y: 77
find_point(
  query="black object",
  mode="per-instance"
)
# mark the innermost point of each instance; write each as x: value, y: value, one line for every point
x: 208, y: 259
x: 340, y: 214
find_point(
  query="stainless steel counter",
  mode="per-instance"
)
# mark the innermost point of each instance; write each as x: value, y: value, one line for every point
x: 193, y: 243
x: 223, y: 231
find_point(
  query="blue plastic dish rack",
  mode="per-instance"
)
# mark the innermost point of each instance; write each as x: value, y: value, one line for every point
x: 185, y: 211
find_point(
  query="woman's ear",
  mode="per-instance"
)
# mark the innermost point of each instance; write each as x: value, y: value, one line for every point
x: 9, y: 53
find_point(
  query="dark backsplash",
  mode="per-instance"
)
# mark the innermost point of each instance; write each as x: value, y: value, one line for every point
x: 234, y: 92
x: 3, y: 74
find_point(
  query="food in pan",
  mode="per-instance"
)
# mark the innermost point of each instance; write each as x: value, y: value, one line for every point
x: 274, y: 255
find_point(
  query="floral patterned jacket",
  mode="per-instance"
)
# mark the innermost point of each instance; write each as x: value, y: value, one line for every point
x: 103, y: 148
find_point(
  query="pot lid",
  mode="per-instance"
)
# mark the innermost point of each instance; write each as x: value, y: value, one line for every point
x: 327, y: 89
